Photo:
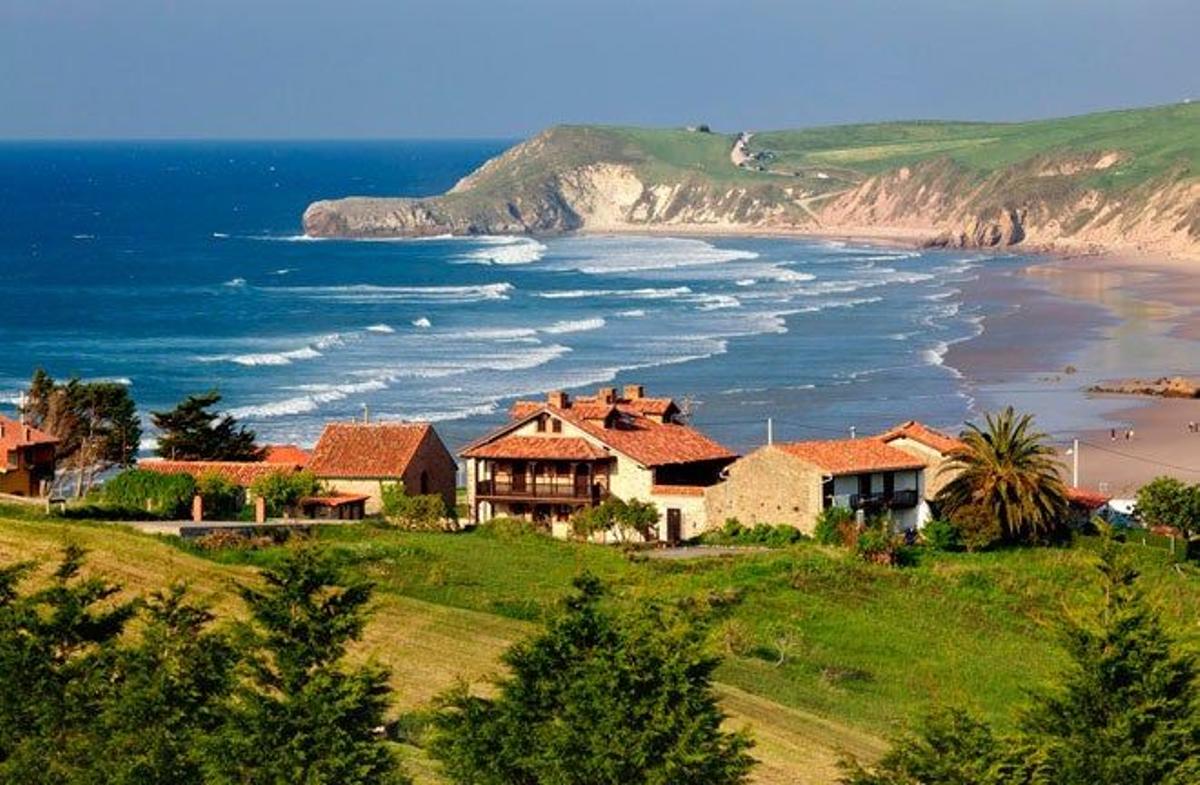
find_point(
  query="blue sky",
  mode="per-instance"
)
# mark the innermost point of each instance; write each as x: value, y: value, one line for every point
x: 505, y: 68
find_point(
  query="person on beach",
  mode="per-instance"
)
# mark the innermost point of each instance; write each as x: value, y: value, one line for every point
x: 1113, y: 434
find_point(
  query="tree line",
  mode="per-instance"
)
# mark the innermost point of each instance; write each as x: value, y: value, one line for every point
x: 98, y: 427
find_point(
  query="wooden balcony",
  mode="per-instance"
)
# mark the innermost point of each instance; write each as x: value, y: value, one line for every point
x: 897, y: 500
x: 536, y: 489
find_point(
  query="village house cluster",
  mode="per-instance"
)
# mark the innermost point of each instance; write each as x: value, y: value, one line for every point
x: 564, y: 453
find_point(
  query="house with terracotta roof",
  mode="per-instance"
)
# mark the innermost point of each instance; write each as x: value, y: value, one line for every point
x: 286, y: 454
x: 358, y: 459
x: 562, y: 454
x: 793, y: 482
x: 240, y: 473
x: 936, y: 448
x: 27, y: 468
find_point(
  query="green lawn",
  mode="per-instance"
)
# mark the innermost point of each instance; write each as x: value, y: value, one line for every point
x: 865, y: 649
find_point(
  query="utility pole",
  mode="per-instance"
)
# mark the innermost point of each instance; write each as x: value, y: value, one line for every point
x: 366, y: 414
x: 853, y: 432
x: 770, y: 431
x: 1075, y: 463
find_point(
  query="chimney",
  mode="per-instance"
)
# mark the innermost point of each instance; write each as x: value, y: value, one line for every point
x: 634, y: 392
x: 558, y: 399
x: 28, y: 434
x: 607, y: 395
x: 1, y: 430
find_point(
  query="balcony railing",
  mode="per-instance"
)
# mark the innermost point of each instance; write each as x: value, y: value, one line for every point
x: 539, y: 489
x: 897, y: 500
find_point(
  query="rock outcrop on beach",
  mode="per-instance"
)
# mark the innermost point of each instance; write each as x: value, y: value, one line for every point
x: 1096, y: 182
x: 1163, y: 387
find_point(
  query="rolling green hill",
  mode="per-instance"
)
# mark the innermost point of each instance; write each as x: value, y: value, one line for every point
x: 1125, y: 179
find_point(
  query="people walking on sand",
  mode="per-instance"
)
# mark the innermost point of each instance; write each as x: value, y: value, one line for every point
x: 1129, y: 435
x: 1192, y: 426
x: 1112, y: 433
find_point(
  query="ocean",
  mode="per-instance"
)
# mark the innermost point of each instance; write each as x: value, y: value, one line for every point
x: 178, y: 268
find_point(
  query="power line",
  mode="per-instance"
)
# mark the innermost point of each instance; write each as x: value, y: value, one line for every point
x: 1165, y: 464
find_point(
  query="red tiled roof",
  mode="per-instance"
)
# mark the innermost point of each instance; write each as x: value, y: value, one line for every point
x: 1085, y: 498
x: 333, y: 499
x: 852, y: 456
x: 677, y: 490
x: 286, y: 453
x: 14, y: 434
x: 556, y: 448
x: 242, y: 473
x: 366, y: 450
x: 919, y: 432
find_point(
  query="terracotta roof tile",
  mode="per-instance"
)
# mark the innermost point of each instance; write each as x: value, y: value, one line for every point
x: 366, y: 450
x: 919, y: 432
x: 852, y: 456
x: 1086, y: 498
x: 14, y: 434
x: 242, y: 473
x: 286, y: 453
x: 557, y: 448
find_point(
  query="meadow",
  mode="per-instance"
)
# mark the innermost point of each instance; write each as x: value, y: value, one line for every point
x: 823, y: 654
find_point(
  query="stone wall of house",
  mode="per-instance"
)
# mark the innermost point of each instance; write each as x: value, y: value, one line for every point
x: 767, y: 486
x: 439, y: 468
x: 693, y: 513
x: 372, y: 489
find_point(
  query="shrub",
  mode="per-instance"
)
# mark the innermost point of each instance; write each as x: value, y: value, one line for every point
x: 734, y: 533
x: 165, y: 495
x: 978, y: 529
x: 281, y: 490
x: 623, y: 518
x: 223, y: 498
x: 510, y: 527
x: 878, y: 545
x: 941, y: 535
x: 421, y: 513
x: 832, y: 526
x: 1165, y: 501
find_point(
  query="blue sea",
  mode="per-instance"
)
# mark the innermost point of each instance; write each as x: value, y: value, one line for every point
x: 180, y: 267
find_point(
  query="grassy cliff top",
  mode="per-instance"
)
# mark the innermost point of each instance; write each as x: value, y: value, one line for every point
x: 1148, y: 143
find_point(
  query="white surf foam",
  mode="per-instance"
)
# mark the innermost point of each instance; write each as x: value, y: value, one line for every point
x: 369, y: 293
x: 646, y: 293
x: 422, y: 322
x: 381, y: 328
x: 505, y: 250
x: 599, y: 255
x: 574, y: 326
x: 235, y: 282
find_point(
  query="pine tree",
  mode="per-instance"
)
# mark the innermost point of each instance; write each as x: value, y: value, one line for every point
x: 193, y: 431
x: 599, y: 698
x: 1126, y: 710
x: 304, y: 717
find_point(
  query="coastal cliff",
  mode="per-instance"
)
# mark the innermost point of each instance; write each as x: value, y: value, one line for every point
x: 1114, y: 180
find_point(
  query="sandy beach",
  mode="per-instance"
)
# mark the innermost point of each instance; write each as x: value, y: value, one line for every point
x: 1078, y: 320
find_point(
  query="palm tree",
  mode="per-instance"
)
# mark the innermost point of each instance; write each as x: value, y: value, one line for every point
x: 1009, y: 471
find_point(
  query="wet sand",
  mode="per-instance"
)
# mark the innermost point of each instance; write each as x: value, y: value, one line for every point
x: 1073, y: 322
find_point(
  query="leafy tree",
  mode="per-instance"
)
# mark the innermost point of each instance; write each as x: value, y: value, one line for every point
x: 96, y: 423
x: 283, y: 490
x: 1008, y: 470
x: 424, y: 512
x: 1125, y: 711
x: 223, y: 498
x: 193, y: 431
x: 598, y: 698
x: 1166, y: 501
x: 624, y: 518
x: 304, y: 717
x: 169, y: 495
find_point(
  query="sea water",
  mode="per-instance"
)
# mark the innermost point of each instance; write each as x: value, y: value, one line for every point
x: 180, y: 267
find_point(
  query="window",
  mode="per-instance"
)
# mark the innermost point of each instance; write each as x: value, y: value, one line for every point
x: 541, y: 424
x: 556, y: 426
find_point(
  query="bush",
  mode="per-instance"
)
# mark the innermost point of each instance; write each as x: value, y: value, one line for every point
x: 1165, y: 501
x: 282, y: 491
x: 978, y: 529
x: 734, y: 533
x: 223, y: 498
x: 833, y: 525
x: 509, y: 527
x: 941, y: 535
x: 878, y: 545
x: 164, y: 495
x: 421, y: 513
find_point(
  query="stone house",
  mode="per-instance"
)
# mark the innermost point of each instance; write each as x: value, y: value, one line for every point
x: 560, y: 455
x: 899, y: 471
x: 27, y: 459
x: 355, y: 458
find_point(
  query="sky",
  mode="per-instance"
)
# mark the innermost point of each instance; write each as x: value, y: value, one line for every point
x: 506, y: 68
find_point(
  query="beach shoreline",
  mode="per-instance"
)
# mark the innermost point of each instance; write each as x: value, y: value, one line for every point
x: 1083, y: 318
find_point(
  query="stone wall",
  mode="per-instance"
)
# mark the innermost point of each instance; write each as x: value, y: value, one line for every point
x: 767, y: 486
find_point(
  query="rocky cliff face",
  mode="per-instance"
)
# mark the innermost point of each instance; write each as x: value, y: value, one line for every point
x: 553, y: 183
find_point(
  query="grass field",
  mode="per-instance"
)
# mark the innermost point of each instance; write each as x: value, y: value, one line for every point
x: 864, y: 649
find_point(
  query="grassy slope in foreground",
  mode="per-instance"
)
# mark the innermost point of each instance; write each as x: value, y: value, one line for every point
x: 869, y: 648
x: 1127, y: 177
